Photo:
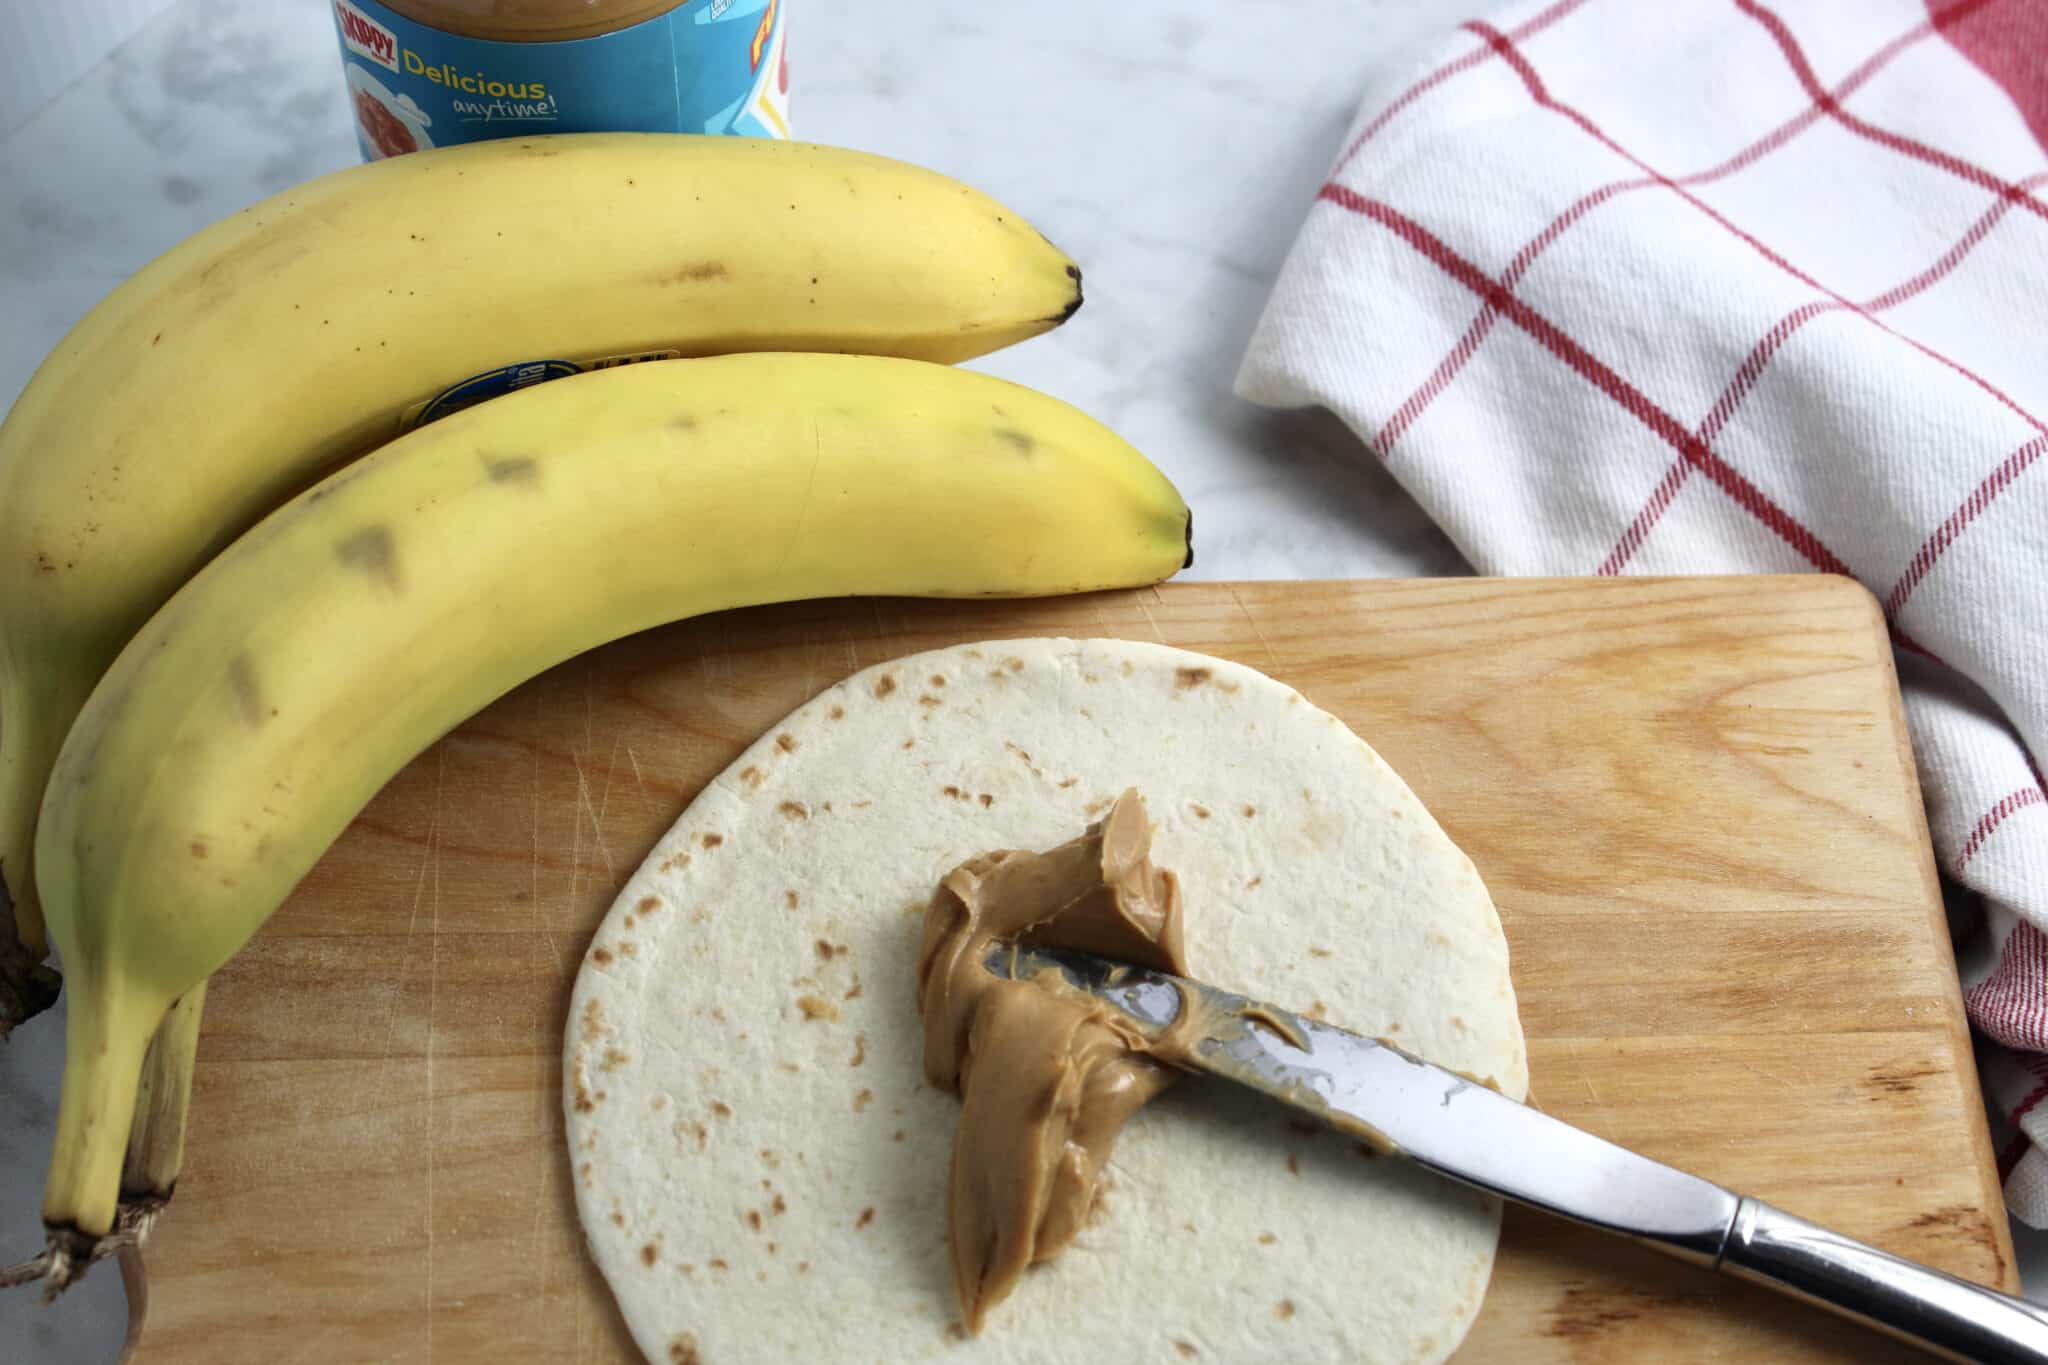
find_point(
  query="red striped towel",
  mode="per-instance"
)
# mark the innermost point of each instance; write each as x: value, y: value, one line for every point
x: 1724, y: 286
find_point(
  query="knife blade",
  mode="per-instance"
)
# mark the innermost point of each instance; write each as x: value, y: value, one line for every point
x: 1465, y: 1130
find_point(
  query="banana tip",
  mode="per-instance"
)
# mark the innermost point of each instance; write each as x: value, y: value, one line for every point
x: 1074, y: 304
x: 1188, y: 532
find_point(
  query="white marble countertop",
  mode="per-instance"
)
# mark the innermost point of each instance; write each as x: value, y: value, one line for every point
x: 1171, y: 149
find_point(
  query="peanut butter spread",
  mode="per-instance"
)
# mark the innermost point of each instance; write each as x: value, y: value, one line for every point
x: 1046, y: 1074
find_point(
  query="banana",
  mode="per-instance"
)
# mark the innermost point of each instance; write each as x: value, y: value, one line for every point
x: 239, y: 367
x: 264, y: 704
x: 149, y: 1172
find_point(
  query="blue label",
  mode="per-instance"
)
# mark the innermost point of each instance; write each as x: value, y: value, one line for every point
x: 708, y: 66
x: 479, y: 387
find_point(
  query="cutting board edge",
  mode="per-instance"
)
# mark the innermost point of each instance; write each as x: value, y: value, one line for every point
x: 1956, y: 1014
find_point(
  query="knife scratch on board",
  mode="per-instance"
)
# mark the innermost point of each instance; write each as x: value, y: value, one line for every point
x: 1585, y: 1077
x: 1150, y: 620
x: 533, y: 871
x: 539, y: 915
x: 419, y: 895
x: 576, y: 1304
x: 542, y: 1191
x: 596, y: 824
x: 576, y: 832
x: 604, y: 805
x: 1272, y: 660
x: 1767, y: 1075
x: 419, y: 888
x: 433, y: 995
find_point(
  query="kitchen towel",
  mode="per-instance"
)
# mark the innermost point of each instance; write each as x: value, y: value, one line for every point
x: 1717, y: 287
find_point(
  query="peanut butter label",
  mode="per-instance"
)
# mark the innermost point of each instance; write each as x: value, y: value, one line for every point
x: 707, y: 66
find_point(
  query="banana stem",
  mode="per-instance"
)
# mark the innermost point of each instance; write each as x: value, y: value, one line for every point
x: 156, y: 1138
x: 134, y: 1284
x: 106, y: 1035
x: 69, y: 1254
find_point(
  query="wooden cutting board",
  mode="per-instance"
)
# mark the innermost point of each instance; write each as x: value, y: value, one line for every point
x: 1692, y: 799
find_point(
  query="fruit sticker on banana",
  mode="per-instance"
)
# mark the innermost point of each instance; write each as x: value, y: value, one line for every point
x: 467, y: 393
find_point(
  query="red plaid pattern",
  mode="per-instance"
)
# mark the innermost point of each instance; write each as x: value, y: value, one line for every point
x: 1726, y: 286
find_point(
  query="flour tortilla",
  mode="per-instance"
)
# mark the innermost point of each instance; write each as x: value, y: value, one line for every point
x: 759, y: 1166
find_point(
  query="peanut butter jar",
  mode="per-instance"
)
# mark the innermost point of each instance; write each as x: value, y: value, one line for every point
x: 432, y: 73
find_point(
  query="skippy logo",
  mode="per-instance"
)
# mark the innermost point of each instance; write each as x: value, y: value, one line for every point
x: 366, y: 37
x: 761, y: 32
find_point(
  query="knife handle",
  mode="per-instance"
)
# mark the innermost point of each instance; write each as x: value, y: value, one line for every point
x: 1953, y: 1318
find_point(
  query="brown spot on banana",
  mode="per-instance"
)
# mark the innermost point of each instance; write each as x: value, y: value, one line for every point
x: 697, y: 272
x: 334, y: 483
x: 519, y: 469
x: 248, y: 691
x: 373, y: 551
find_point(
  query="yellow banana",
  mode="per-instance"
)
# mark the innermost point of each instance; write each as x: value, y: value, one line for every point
x: 258, y: 710
x: 240, y: 366
x: 149, y: 1172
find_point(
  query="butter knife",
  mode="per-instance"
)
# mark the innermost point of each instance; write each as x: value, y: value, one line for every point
x: 1468, y: 1132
